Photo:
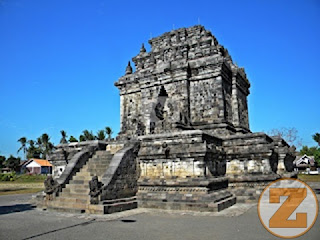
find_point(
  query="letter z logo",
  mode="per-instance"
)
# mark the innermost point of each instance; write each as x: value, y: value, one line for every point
x: 288, y: 208
x: 295, y: 198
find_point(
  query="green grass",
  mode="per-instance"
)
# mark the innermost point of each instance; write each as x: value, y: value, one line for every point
x: 23, y: 178
x: 30, y: 178
x: 309, y: 178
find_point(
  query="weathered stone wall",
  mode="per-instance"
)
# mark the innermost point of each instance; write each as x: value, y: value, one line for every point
x: 183, y: 170
x: 120, y: 179
x: 253, y: 161
x: 181, y: 155
x: 206, y: 103
x: 251, y: 153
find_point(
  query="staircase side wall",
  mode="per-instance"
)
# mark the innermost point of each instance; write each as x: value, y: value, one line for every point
x: 120, y: 179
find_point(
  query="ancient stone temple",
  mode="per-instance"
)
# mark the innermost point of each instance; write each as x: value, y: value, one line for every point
x: 185, y: 141
x: 189, y: 82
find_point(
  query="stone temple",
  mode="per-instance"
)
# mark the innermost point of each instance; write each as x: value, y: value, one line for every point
x: 185, y: 141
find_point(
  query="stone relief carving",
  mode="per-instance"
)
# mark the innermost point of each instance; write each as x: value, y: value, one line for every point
x: 159, y: 111
x: 52, y: 188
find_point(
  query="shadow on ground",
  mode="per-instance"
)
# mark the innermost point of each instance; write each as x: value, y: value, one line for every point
x: 128, y: 221
x: 60, y: 229
x: 15, y: 208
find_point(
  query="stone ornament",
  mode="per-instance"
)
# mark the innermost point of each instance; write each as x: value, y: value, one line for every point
x: 51, y: 188
x: 95, y: 190
x: 128, y: 69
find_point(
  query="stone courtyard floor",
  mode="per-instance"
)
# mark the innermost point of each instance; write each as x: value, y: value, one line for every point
x: 20, y: 220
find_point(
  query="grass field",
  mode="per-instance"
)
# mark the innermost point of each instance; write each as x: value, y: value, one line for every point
x: 309, y: 178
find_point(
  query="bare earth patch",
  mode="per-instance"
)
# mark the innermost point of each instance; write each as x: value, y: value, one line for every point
x: 309, y: 178
x: 7, y: 188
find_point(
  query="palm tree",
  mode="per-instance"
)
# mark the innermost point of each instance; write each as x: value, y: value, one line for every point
x: 81, y: 138
x: 39, y: 146
x: 109, y: 132
x: 39, y: 142
x: 316, y: 137
x: 46, y: 145
x: 101, y: 135
x: 64, y: 137
x: 33, y: 151
x: 23, y: 141
x: 88, y: 136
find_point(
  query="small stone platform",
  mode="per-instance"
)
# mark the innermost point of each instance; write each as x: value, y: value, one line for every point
x: 202, y: 194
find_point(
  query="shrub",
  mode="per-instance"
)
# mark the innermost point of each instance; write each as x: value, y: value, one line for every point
x: 31, y: 178
x: 8, y: 177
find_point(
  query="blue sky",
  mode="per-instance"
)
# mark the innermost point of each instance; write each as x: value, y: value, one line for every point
x: 60, y: 59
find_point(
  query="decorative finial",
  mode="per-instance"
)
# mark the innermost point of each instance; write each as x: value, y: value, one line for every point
x: 128, y: 69
x: 142, y: 49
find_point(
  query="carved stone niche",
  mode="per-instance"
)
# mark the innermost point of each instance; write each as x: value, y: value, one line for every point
x: 216, y: 164
x: 273, y: 160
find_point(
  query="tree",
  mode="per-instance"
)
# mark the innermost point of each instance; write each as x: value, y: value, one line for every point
x: 109, y: 132
x: 39, y: 143
x: 33, y: 151
x: 88, y: 136
x: 47, y: 146
x: 23, y: 141
x: 312, y: 151
x: 72, y: 139
x: 63, y: 137
x: 316, y: 137
x: 2, y: 161
x: 82, y: 138
x: 101, y: 135
x: 290, y: 135
x: 13, y: 163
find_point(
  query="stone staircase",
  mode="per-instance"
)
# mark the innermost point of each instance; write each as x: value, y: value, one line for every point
x: 75, y: 196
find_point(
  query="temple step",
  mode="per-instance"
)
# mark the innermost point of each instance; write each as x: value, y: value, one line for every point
x: 73, y: 200
x: 74, y: 195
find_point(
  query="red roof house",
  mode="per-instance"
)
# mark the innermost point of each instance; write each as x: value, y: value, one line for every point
x: 37, y: 166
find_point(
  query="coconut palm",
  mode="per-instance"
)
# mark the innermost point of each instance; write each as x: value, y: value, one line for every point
x: 101, y: 135
x: 81, y: 138
x: 33, y: 151
x: 47, y: 146
x: 39, y: 142
x: 23, y: 141
x: 109, y: 132
x: 88, y: 136
x: 63, y: 137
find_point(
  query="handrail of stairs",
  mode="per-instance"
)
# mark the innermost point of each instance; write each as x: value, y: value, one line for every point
x: 122, y: 157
